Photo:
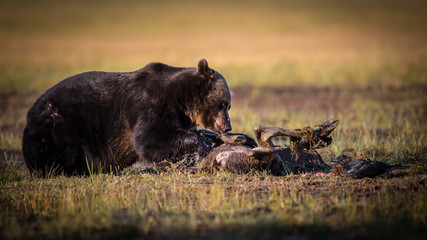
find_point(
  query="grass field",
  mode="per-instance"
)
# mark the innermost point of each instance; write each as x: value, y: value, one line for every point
x: 288, y: 64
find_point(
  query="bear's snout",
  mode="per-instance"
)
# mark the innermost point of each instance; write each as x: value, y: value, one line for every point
x: 228, y: 128
x: 223, y: 126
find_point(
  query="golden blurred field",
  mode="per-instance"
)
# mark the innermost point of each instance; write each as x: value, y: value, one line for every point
x: 318, y: 43
x: 288, y: 64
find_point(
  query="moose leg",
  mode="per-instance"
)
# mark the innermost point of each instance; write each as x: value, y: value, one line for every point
x: 293, y: 157
x: 327, y: 127
x: 231, y: 138
x: 264, y: 135
x: 306, y: 138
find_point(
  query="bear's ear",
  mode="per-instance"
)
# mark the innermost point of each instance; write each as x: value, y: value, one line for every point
x: 203, y: 69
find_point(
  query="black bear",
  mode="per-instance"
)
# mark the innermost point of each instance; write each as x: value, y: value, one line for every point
x: 101, y: 121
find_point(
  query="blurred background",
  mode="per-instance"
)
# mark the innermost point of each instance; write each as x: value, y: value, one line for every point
x: 288, y: 63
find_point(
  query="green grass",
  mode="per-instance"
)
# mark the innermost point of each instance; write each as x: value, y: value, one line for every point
x: 210, y: 206
x: 289, y: 64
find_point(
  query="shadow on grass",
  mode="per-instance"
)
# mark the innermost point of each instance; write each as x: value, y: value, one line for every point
x: 267, y: 230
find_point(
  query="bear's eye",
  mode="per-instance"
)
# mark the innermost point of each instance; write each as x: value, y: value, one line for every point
x: 222, y: 106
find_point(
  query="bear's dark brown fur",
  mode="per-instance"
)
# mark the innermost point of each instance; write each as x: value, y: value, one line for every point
x: 105, y: 121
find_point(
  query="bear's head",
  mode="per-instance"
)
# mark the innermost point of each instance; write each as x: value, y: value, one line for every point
x: 213, y: 114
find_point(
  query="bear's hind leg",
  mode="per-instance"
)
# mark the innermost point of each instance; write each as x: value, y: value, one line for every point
x: 48, y: 145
